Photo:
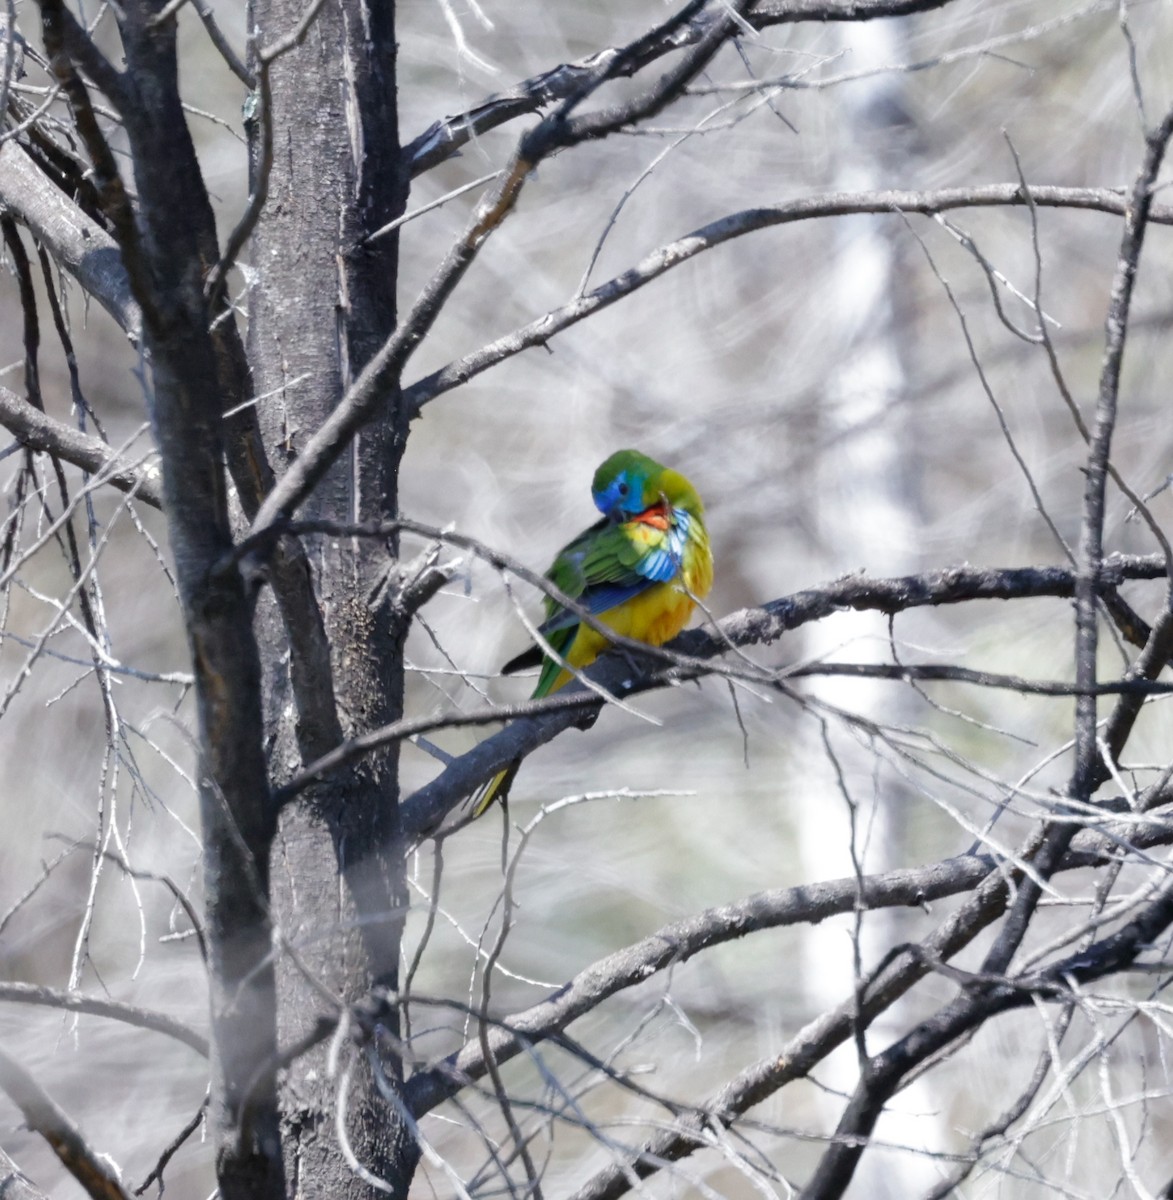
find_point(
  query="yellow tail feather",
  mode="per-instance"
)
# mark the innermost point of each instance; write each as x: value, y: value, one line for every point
x: 496, y: 789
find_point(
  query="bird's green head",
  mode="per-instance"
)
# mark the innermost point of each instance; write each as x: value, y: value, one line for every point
x: 629, y: 483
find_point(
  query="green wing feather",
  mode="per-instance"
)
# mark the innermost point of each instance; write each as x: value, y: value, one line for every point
x: 598, y: 569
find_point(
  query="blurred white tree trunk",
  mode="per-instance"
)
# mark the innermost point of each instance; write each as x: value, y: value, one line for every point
x: 865, y: 518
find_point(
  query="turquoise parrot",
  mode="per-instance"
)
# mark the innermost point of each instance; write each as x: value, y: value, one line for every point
x: 639, y: 571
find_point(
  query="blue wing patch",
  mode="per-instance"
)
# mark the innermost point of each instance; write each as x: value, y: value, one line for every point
x: 659, y: 566
x: 595, y: 600
x: 611, y: 595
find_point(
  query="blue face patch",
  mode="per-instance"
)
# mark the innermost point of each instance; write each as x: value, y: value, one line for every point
x: 623, y: 496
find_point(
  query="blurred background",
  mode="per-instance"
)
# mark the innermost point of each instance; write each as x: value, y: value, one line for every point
x: 847, y: 395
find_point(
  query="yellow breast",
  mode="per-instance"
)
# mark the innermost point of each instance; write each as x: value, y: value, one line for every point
x: 655, y: 616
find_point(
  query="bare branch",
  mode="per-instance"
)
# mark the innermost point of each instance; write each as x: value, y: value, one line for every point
x: 173, y: 1148
x: 1089, y: 770
x: 67, y: 44
x: 976, y: 1005
x: 445, y: 138
x: 680, y: 941
x: 32, y: 428
x: 84, y: 249
x: 1091, y: 548
x: 947, y: 672
x: 77, y: 243
x: 99, y: 1006
x: 882, y: 1075
x: 716, y: 233
x: 427, y: 807
x: 68, y: 35
x: 44, y: 1117
x: 677, y: 943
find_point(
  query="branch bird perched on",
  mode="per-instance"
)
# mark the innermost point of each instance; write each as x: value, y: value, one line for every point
x: 639, y: 571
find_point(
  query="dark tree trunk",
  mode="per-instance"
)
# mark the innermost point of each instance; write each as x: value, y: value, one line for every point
x: 167, y: 250
x: 322, y: 304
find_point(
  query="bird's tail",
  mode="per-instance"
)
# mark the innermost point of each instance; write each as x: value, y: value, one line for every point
x: 496, y: 789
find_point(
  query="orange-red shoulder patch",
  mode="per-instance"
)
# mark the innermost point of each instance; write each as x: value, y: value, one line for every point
x: 657, y: 516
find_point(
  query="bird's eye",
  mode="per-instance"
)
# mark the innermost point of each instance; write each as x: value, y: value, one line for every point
x: 623, y: 489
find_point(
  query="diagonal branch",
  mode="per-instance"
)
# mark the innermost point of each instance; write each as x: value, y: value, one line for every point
x: 67, y: 44
x: 682, y: 940
x: 44, y: 1117
x: 71, y: 37
x: 825, y: 1033
x: 973, y: 1007
x: 664, y: 259
x: 443, y: 139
